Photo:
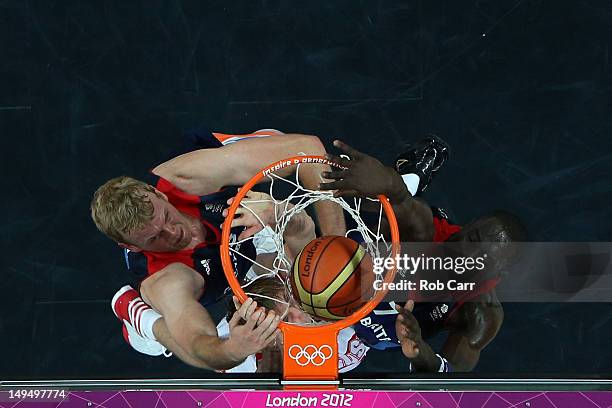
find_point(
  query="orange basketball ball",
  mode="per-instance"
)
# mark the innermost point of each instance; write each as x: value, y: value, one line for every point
x: 332, y: 277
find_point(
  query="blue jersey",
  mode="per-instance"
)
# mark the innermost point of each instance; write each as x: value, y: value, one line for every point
x: 377, y: 329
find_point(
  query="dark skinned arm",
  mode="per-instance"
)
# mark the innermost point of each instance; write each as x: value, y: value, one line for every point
x: 365, y: 176
x: 477, y: 323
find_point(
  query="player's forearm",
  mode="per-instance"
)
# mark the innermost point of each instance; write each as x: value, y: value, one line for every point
x: 414, y: 220
x: 329, y: 214
x: 394, y: 188
x: 217, y: 353
x: 299, y: 232
x: 414, y: 217
x: 163, y: 335
x: 330, y: 218
x: 300, y: 227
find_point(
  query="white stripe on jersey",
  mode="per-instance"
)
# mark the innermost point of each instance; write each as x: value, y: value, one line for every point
x: 237, y: 139
x: 386, y: 312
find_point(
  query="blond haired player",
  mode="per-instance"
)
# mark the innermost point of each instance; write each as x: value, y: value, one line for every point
x: 169, y: 228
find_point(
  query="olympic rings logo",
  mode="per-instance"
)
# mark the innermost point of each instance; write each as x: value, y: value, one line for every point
x: 310, y: 354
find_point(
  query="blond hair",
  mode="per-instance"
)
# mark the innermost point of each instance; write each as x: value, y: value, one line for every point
x: 121, y: 206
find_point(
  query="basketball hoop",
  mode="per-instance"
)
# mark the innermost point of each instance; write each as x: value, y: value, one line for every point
x: 310, y: 352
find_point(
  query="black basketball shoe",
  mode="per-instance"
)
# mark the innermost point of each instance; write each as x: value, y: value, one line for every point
x: 423, y: 158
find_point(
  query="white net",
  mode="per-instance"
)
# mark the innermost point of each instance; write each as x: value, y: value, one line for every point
x: 271, y: 238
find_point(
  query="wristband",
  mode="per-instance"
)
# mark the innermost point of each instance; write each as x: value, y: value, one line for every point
x: 445, y: 366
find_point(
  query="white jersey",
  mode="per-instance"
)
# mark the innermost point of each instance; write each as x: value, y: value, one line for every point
x: 351, y: 351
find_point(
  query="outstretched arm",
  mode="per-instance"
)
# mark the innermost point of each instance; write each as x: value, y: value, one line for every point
x: 206, y: 170
x: 365, y: 176
x: 174, y: 293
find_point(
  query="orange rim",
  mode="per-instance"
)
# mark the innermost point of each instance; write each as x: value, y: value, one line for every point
x: 228, y: 267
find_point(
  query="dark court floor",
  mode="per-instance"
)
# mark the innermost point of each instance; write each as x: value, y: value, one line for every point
x: 91, y: 90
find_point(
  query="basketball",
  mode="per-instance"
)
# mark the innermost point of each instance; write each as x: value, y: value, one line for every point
x: 332, y: 277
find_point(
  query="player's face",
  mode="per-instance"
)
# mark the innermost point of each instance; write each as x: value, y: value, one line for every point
x: 495, y: 241
x: 168, y: 231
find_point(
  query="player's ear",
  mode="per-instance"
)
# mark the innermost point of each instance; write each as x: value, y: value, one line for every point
x: 130, y: 247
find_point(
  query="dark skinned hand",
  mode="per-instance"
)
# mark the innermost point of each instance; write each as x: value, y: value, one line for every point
x: 361, y: 175
x: 408, y: 330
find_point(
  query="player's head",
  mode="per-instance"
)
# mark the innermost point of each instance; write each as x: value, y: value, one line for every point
x: 498, y: 231
x: 264, y: 290
x: 498, y: 226
x: 139, y: 217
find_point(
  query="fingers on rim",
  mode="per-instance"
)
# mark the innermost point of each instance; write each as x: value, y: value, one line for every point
x: 262, y: 317
x: 250, y: 309
x: 245, y: 305
x: 237, y: 304
x: 272, y: 326
x: 266, y: 325
x: 235, y: 319
x: 338, y: 161
x: 252, y: 320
